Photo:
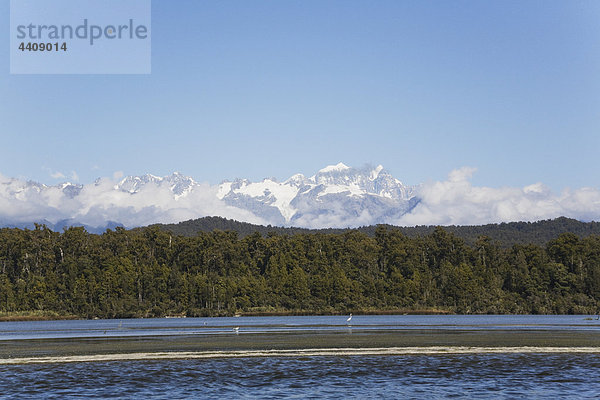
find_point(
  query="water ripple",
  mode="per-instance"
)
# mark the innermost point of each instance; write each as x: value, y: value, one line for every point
x: 504, y: 376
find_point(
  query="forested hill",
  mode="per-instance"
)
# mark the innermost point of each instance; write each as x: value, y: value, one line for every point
x: 149, y: 272
x: 506, y: 234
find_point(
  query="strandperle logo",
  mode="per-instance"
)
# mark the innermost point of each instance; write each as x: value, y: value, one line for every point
x: 86, y: 31
x: 80, y: 36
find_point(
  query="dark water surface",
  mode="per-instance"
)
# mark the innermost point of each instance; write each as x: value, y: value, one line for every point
x: 462, y: 376
x: 446, y: 357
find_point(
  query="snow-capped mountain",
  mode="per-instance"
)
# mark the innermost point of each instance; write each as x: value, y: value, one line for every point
x: 335, y: 194
x: 176, y: 182
x: 20, y: 189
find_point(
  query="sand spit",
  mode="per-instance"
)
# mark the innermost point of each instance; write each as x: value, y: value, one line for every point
x: 335, y: 352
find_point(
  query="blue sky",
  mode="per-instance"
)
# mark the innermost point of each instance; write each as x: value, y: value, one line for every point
x: 260, y: 89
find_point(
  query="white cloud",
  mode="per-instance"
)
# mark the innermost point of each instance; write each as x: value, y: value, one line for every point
x: 54, y: 174
x: 57, y: 175
x: 461, y: 174
x: 457, y: 202
x: 98, y: 203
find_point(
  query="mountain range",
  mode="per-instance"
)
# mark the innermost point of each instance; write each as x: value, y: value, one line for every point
x: 336, y: 196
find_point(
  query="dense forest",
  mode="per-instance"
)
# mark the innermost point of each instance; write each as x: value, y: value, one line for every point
x: 152, y: 272
x: 505, y: 234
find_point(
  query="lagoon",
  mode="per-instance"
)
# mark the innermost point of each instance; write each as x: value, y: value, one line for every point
x: 323, y: 356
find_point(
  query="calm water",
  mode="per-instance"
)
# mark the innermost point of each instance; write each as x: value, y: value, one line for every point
x: 509, y: 375
x: 207, y: 326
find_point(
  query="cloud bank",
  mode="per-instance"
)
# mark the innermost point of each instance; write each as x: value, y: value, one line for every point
x: 102, y: 202
x: 454, y: 201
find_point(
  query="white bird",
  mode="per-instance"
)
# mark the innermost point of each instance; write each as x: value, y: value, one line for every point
x: 349, y: 318
x: 236, y: 329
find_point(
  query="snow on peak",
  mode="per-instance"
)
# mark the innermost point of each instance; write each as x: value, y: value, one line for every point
x: 332, y: 187
x: 334, y: 168
x: 376, y: 171
x: 178, y: 183
x: 224, y: 189
x: 296, y: 180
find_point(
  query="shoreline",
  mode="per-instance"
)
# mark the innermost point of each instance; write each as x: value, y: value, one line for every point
x: 35, y: 316
x: 335, y: 313
x: 20, y: 318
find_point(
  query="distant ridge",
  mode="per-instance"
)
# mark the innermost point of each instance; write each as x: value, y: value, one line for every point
x: 507, y: 234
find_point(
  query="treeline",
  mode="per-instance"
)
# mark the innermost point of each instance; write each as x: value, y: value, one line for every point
x: 505, y: 234
x: 150, y: 272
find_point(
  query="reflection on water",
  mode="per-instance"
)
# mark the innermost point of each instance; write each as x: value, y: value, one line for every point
x: 441, y: 376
